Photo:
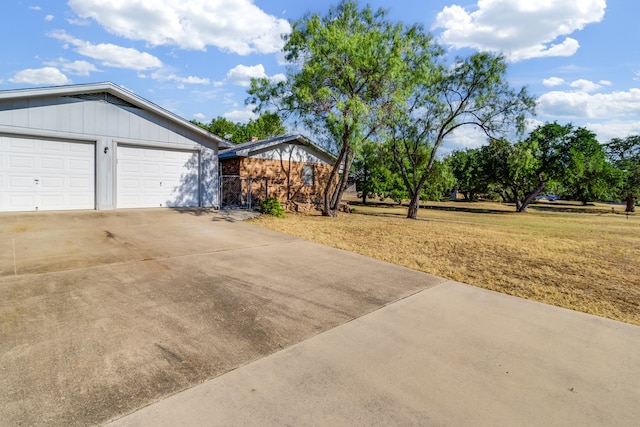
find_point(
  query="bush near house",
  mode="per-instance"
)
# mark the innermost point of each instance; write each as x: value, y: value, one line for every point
x: 271, y: 206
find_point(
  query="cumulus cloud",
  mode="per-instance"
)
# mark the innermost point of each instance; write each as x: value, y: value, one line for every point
x: 584, y: 105
x: 79, y: 68
x: 40, y: 76
x: 521, y: 29
x: 199, y: 116
x: 164, y: 75
x: 49, y: 18
x: 241, y: 116
x: 241, y: 75
x: 109, y: 54
x: 553, y: 81
x: 585, y: 85
x: 606, y: 131
x: 236, y: 26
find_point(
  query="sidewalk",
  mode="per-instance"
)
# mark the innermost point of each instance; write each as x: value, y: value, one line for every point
x: 450, y: 355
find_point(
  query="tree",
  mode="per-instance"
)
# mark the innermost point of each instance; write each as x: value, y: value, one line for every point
x: 471, y: 92
x: 589, y: 176
x: 468, y: 171
x: 552, y: 155
x: 265, y: 126
x: 625, y: 154
x: 370, y: 172
x: 353, y: 67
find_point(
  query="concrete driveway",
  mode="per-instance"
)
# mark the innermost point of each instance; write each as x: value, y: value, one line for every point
x: 102, y: 313
x: 108, y: 314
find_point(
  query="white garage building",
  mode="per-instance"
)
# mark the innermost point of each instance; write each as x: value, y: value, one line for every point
x: 99, y: 146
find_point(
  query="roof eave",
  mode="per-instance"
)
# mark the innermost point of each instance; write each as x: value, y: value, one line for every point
x: 115, y: 90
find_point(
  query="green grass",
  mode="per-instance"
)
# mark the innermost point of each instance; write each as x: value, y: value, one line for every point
x: 579, y: 257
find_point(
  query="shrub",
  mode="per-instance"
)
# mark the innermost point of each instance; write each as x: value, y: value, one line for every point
x: 272, y: 206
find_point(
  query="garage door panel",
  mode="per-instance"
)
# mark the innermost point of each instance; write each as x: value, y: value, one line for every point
x: 37, y: 174
x: 53, y: 146
x: 21, y: 202
x: 80, y: 184
x: 79, y: 165
x: 52, y: 163
x: 20, y: 182
x: 19, y: 162
x: 152, y: 169
x: 149, y: 177
x: 18, y: 145
x: 52, y: 183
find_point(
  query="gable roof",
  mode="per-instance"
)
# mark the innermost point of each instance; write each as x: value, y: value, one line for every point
x: 115, y: 94
x: 246, y: 149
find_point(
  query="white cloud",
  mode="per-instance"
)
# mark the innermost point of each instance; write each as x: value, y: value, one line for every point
x: 79, y: 22
x: 79, y: 68
x: 199, y: 116
x: 35, y: 8
x: 521, y: 29
x: 40, y: 76
x: 192, y: 80
x: 465, y: 137
x: 241, y: 116
x: 241, y: 75
x: 583, y: 105
x: 606, y: 131
x: 585, y: 85
x: 553, y: 81
x: 236, y: 26
x: 109, y: 54
x: 49, y: 18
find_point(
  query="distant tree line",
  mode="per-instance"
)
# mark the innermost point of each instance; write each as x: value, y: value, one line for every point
x: 562, y: 160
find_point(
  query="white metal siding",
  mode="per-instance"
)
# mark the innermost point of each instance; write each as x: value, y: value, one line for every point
x: 150, y: 177
x: 39, y: 174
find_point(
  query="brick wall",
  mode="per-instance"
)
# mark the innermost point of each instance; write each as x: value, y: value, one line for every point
x: 284, y: 179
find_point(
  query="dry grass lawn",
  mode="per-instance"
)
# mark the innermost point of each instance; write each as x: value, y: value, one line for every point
x: 585, y: 259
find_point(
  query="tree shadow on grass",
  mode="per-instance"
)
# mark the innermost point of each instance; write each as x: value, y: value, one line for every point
x: 461, y: 208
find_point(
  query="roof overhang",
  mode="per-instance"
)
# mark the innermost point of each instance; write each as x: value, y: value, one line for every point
x: 248, y: 148
x: 118, y: 91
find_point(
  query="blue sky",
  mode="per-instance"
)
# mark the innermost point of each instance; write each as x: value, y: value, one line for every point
x: 580, y: 58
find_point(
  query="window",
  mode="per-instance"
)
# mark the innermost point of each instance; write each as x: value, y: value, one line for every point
x: 307, y: 175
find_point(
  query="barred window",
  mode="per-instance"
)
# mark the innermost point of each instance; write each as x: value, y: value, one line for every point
x: 307, y: 174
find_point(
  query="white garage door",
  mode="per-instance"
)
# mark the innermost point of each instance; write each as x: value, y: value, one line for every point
x: 38, y: 174
x: 149, y: 177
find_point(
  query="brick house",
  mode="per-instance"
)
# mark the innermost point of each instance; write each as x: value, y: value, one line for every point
x: 290, y: 168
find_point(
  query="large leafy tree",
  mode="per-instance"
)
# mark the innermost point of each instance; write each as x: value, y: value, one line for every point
x: 471, y: 92
x: 552, y: 155
x: 625, y: 154
x: 467, y: 167
x: 352, y: 68
x: 371, y: 173
x: 589, y: 176
x: 265, y: 126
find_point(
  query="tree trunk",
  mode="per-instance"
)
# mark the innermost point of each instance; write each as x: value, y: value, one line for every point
x: 631, y: 203
x: 333, y: 198
x: 529, y: 199
x: 330, y: 189
x: 531, y: 196
x: 414, y: 205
